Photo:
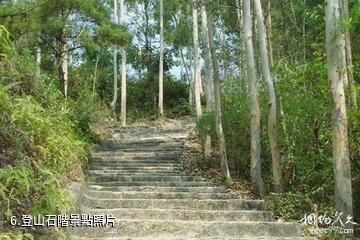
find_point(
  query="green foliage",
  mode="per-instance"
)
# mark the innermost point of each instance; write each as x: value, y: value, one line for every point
x: 50, y: 150
x: 5, y: 43
x: 288, y: 206
x: 45, y: 138
x: 12, y: 236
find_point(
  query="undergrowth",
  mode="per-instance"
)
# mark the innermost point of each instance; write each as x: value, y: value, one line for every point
x: 44, y: 140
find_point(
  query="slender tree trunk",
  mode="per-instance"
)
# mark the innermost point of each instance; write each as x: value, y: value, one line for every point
x: 304, y: 30
x: 138, y: 35
x: 188, y: 76
x: 225, y: 54
x: 95, y: 73
x: 342, y: 40
x: 192, y: 82
x: 218, y: 122
x: 272, y: 121
x: 208, y: 77
x: 240, y: 15
x: 349, y: 65
x: 197, y: 69
x: 65, y: 68
x: 161, y: 64
x: 38, y: 62
x: 269, y: 35
x: 123, y: 70
x: 115, y: 82
x: 343, y: 192
x: 256, y: 177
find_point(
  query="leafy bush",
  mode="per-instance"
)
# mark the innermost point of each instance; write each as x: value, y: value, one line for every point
x: 288, y: 206
x: 45, y: 139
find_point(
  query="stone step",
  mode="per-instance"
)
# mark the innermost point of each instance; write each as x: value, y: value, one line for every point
x: 134, y: 173
x: 131, y: 161
x: 159, y: 189
x: 140, y: 144
x: 135, y: 170
x: 141, y: 149
x: 141, y: 178
x: 158, y: 195
x: 121, y: 153
x: 155, y: 183
x: 136, y: 164
x: 74, y: 237
x: 193, y: 229
x: 139, y: 158
x: 176, y: 214
x: 142, y: 169
x: 185, y: 204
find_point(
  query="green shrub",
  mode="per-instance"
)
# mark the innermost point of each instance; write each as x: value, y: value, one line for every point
x: 288, y: 206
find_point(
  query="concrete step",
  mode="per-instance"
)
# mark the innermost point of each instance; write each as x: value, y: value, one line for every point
x: 143, y: 169
x: 193, y: 229
x: 121, y: 153
x: 140, y: 178
x: 147, y: 144
x: 135, y: 173
x: 136, y: 164
x: 74, y: 237
x: 158, y: 195
x: 185, y: 215
x: 139, y: 158
x: 142, y: 149
x: 129, y: 161
x: 158, y: 189
x: 154, y: 183
x: 185, y: 204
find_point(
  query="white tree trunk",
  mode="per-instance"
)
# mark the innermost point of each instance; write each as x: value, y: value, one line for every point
x: 192, y: 80
x: 208, y: 77
x: 218, y: 122
x: 343, y: 192
x: 65, y: 67
x: 115, y: 93
x: 161, y: 64
x: 123, y: 70
x: 269, y: 35
x: 256, y: 177
x: 240, y: 16
x: 95, y: 73
x: 38, y: 62
x: 349, y: 64
x: 272, y: 121
x: 343, y: 52
x: 197, y: 69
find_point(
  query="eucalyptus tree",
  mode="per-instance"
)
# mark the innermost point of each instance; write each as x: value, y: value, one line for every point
x: 256, y: 177
x: 115, y: 66
x: 348, y: 52
x: 208, y: 77
x: 272, y: 118
x: 197, y: 69
x: 161, y: 62
x: 123, y: 69
x: 342, y: 172
x: 38, y: 61
x: 217, y: 97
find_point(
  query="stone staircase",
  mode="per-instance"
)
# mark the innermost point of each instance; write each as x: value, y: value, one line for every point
x: 138, y: 178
